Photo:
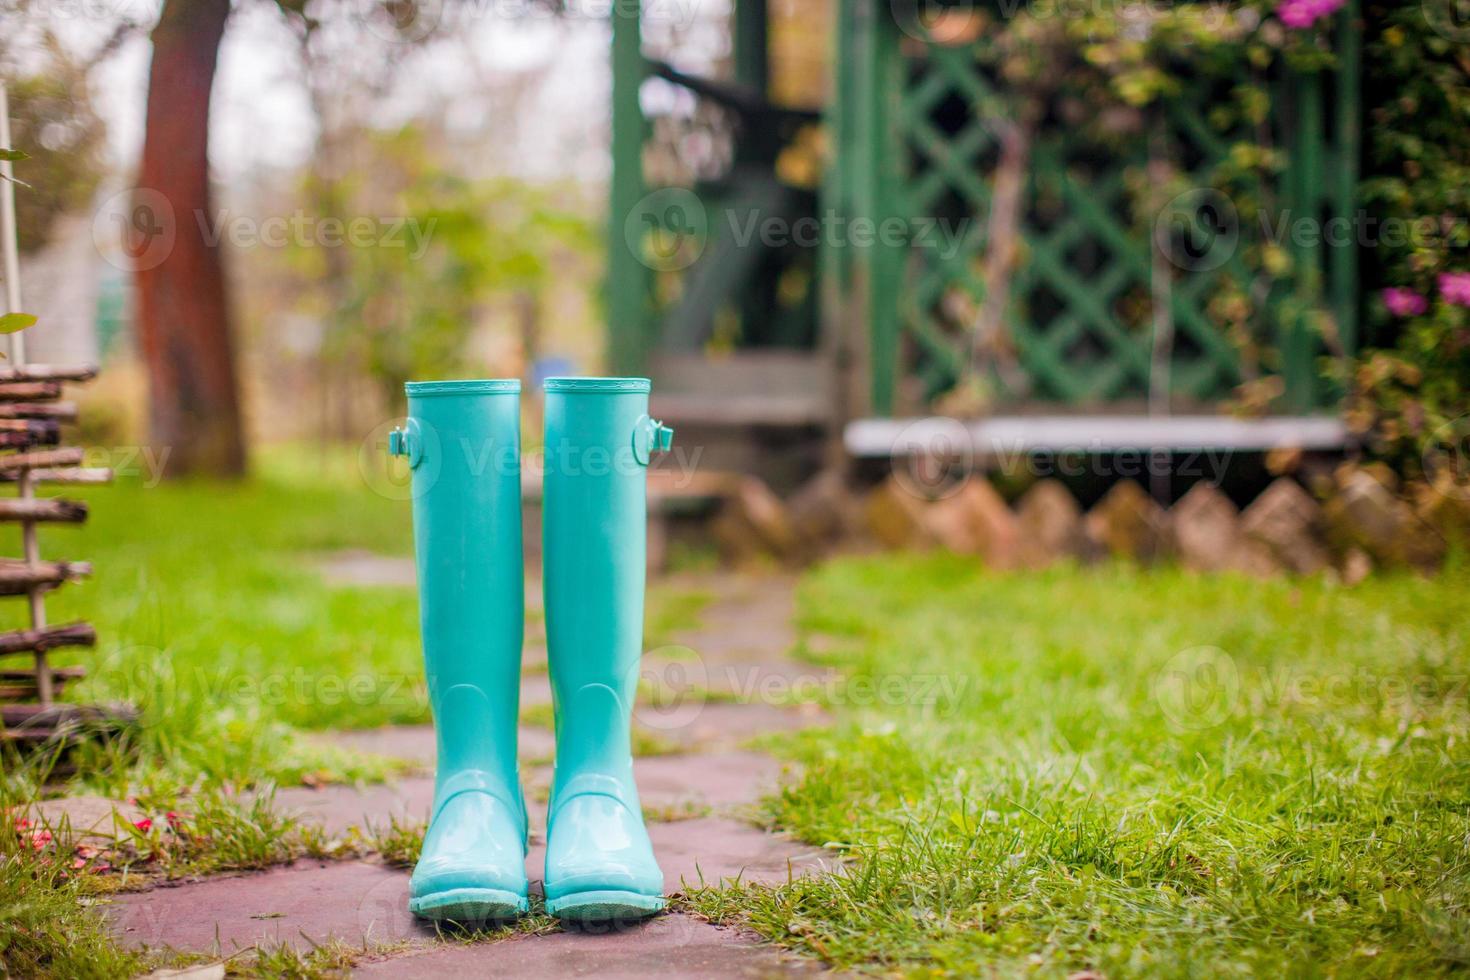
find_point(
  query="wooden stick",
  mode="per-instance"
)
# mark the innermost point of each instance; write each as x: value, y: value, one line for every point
x: 39, y: 509
x: 16, y: 685
x: 95, y: 474
x: 24, y: 391
x: 48, y: 638
x: 60, y: 673
x: 44, y: 458
x: 61, y: 411
x: 45, y: 720
x: 12, y: 424
x: 18, y: 577
x: 44, y: 434
x: 48, y: 372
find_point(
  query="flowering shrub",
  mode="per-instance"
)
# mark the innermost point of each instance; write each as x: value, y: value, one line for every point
x: 1408, y: 397
x: 1109, y: 74
x: 1304, y: 13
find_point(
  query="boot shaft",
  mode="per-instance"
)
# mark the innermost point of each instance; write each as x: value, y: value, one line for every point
x: 462, y: 441
x: 599, y: 440
x: 594, y: 524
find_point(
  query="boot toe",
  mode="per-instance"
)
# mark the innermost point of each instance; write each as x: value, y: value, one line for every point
x: 473, y: 861
x: 597, y: 844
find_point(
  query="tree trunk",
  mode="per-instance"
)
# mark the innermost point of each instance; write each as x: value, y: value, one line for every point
x: 183, y: 310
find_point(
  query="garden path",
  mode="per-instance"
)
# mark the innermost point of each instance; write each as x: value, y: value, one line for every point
x: 696, y: 791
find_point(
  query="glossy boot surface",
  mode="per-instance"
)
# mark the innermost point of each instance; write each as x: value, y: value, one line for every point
x: 599, y: 862
x: 462, y: 442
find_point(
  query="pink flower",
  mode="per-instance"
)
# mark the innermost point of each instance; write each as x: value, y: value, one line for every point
x: 1304, y: 13
x: 1455, y: 287
x: 1404, y: 302
x: 144, y: 825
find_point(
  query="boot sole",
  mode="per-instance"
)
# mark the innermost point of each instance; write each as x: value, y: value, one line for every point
x: 469, y: 905
x: 604, y: 906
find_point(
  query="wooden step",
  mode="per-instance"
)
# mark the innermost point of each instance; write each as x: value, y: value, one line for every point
x: 48, y: 458
x: 34, y: 722
x: 58, y: 411
x: 79, y: 474
x: 19, y: 685
x: 48, y: 638
x: 18, y: 577
x: 775, y: 389
x: 51, y: 509
x: 27, y: 391
x: 60, y: 673
x: 48, y: 372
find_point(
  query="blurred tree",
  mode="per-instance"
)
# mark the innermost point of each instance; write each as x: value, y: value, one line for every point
x: 184, y: 314
x: 184, y: 322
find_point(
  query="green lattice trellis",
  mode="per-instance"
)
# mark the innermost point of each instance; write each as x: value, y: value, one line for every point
x: 1079, y: 324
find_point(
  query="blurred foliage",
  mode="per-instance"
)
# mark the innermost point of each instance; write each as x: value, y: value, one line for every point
x: 52, y: 120
x: 407, y: 302
x: 1409, y: 399
x: 1111, y: 73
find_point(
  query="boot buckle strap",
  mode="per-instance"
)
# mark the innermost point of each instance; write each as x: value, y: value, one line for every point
x: 650, y: 436
x: 406, y: 440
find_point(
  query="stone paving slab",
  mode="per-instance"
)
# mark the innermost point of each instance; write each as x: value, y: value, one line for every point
x: 85, y: 819
x: 665, y: 947
x: 714, y: 780
x: 691, y: 726
x: 360, y: 567
x: 297, y: 905
x: 726, y: 725
x: 415, y: 743
x: 360, y: 902
x: 535, y: 689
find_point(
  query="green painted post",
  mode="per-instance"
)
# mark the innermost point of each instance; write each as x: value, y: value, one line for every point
x: 752, y: 70
x: 835, y: 336
x: 877, y: 75
x: 630, y: 320
x: 1299, y: 374
x: 751, y: 44
x: 1349, y: 124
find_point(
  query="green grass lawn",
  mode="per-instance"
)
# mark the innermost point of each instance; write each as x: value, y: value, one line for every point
x: 1138, y: 773
x: 1141, y: 773
x: 212, y: 616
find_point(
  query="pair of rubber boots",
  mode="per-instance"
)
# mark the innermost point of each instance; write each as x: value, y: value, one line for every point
x: 462, y: 443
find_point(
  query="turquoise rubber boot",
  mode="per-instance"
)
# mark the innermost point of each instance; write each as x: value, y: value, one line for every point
x: 462, y: 441
x: 599, y: 862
